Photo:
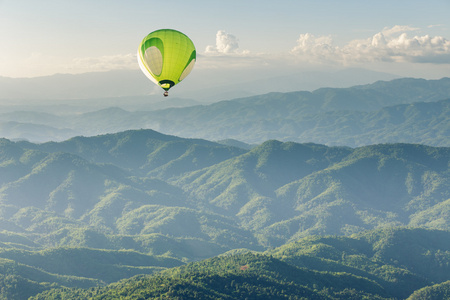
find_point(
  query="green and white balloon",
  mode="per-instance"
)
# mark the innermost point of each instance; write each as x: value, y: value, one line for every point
x: 166, y: 57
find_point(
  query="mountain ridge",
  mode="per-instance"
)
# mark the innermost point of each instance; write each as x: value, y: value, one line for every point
x: 206, y: 86
x: 273, y: 193
x: 383, y: 112
x: 372, y: 265
x: 171, y: 200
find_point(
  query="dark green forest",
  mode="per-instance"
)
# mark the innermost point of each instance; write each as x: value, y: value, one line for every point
x: 139, y: 214
x: 372, y: 265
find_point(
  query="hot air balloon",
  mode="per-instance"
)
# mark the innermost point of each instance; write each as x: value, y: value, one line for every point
x: 166, y: 57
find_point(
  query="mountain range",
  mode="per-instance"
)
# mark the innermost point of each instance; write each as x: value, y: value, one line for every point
x: 403, y: 110
x: 338, y: 193
x: 145, y: 182
x: 172, y: 200
x: 380, y: 264
x: 204, y: 85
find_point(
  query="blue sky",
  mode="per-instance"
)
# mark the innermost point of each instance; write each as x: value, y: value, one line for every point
x: 404, y: 37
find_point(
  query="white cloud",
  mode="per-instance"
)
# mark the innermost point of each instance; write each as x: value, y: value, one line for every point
x: 225, y: 44
x: 319, y: 48
x: 391, y: 44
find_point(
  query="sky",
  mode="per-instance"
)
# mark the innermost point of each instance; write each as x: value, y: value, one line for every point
x: 403, y: 37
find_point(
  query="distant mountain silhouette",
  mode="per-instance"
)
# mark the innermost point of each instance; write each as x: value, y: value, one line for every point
x: 402, y: 110
x: 203, y: 85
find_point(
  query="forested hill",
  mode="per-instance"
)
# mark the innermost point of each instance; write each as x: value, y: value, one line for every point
x: 143, y: 182
x: 381, y: 264
x: 92, y: 210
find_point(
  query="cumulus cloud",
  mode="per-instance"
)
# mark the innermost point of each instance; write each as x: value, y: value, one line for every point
x: 391, y: 44
x: 321, y: 47
x: 225, y: 44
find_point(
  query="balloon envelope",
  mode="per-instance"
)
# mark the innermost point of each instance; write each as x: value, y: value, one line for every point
x: 166, y: 57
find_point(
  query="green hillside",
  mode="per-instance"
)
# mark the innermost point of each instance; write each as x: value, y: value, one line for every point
x: 145, y: 152
x: 436, y: 292
x: 26, y: 273
x: 99, y: 265
x: 236, y: 277
x: 226, y: 196
x: 316, y: 267
x: 90, y: 211
x: 400, y: 259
